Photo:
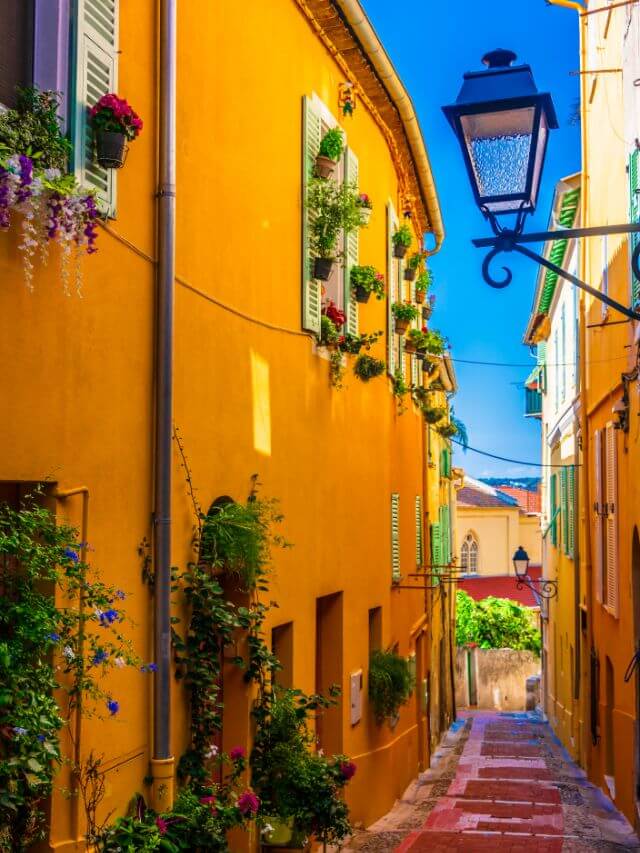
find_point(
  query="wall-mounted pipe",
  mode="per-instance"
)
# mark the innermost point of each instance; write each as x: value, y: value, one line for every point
x: 162, y: 761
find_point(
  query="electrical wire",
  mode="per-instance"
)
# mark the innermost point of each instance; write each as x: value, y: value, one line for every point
x: 532, y: 364
x: 506, y: 459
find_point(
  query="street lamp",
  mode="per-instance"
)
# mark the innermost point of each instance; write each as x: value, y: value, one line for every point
x: 539, y: 586
x: 502, y: 124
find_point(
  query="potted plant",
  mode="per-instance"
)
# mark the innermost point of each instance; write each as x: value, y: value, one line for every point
x: 367, y: 367
x: 391, y: 683
x: 364, y: 203
x: 412, y: 266
x: 365, y: 281
x: 331, y: 148
x: 432, y: 414
x: 414, y: 341
x: 331, y: 321
x: 423, y: 282
x: 433, y: 343
x: 404, y: 314
x: 332, y: 209
x: 114, y: 123
x: 401, y: 241
x: 352, y: 344
x: 427, y: 309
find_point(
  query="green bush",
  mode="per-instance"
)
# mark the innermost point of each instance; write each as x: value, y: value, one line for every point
x: 367, y: 367
x: 495, y: 623
x: 391, y: 683
x: 332, y: 144
x: 33, y: 128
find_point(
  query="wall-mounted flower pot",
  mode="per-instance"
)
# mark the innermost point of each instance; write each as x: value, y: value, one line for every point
x: 322, y: 268
x: 111, y: 149
x: 420, y: 294
x: 399, y: 251
x: 280, y: 835
x: 409, y: 274
x: 362, y: 294
x: 426, y: 312
x: 365, y: 213
x: 409, y: 346
x: 324, y: 166
x: 420, y: 355
x: 402, y: 326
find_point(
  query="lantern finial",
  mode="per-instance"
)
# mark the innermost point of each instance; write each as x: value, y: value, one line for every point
x: 499, y: 58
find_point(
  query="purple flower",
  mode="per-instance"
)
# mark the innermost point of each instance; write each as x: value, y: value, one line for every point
x: 41, y: 738
x: 113, y: 707
x: 108, y: 617
x: 72, y: 555
x: 121, y: 594
x: 149, y: 667
x: 248, y: 803
x: 55, y: 638
x: 100, y: 657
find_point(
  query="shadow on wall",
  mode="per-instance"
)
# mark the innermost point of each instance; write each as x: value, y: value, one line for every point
x: 494, y: 679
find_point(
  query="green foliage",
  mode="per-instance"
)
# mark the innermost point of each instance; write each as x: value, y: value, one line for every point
x: 367, y: 367
x: 33, y: 128
x: 332, y: 209
x: 130, y: 835
x: 417, y: 338
x: 424, y: 281
x: 368, y: 279
x: 402, y: 237
x: 414, y: 261
x: 405, y: 311
x: 432, y: 414
x: 293, y: 781
x: 434, y: 342
x: 495, y: 623
x: 329, y: 334
x: 332, y: 144
x: 353, y: 344
x: 391, y: 683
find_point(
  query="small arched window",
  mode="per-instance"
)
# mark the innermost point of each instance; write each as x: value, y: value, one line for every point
x: 469, y: 555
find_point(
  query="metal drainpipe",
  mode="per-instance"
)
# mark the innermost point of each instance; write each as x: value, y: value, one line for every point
x: 162, y: 762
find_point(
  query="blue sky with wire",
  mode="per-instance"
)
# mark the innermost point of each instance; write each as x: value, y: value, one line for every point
x: 431, y: 45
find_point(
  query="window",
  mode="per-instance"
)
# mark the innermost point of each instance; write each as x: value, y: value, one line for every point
x: 419, y: 542
x: 282, y: 647
x: 16, y: 57
x: 606, y: 516
x: 469, y: 555
x: 634, y: 215
x: 563, y: 355
x: 395, y: 536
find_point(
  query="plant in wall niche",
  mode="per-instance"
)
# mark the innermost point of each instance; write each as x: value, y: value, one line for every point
x: 33, y: 183
x: 300, y: 789
x: 423, y: 283
x: 332, y: 210
x: 331, y: 148
x: 113, y: 122
x: 367, y: 367
x: 391, y: 683
x: 404, y: 313
x: 412, y: 266
x: 365, y: 280
x: 401, y: 239
x: 400, y: 389
x: 353, y: 344
x: 366, y: 207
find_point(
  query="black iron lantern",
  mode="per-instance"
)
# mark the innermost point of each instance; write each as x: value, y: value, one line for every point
x: 502, y: 124
x: 521, y: 563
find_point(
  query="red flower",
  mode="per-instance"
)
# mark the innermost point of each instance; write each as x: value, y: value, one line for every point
x: 348, y: 770
x: 237, y: 753
x: 248, y: 803
x: 334, y: 313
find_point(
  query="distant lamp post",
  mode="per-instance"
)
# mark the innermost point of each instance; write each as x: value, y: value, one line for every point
x: 502, y: 124
x: 539, y: 586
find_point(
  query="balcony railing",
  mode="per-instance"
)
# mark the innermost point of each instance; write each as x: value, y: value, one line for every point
x: 533, y: 403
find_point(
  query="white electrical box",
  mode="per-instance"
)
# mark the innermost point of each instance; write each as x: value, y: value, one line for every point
x: 356, y: 696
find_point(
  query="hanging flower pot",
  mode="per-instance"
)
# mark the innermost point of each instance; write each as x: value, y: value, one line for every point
x: 404, y: 314
x: 420, y: 298
x: 362, y: 294
x: 409, y: 274
x: 322, y: 268
x: 427, y: 310
x: 111, y: 149
x: 331, y: 148
x: 401, y: 326
x: 409, y: 346
x: 401, y: 241
x: 325, y: 166
x: 365, y: 214
x: 399, y: 251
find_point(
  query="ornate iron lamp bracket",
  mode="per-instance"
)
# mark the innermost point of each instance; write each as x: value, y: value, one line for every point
x: 512, y: 240
x: 539, y: 586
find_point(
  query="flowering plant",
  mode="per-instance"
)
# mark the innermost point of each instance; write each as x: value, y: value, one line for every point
x: 114, y: 114
x: 363, y: 200
x: 368, y: 279
x: 335, y: 314
x: 404, y: 311
x: 354, y: 343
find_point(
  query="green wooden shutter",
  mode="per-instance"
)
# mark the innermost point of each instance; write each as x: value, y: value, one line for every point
x: 419, y: 538
x: 564, y: 510
x: 392, y: 353
x: 395, y: 536
x: 96, y: 75
x: 352, y: 243
x: 436, y: 552
x: 634, y: 214
x: 571, y: 506
x: 311, y: 289
x: 554, y: 505
x: 445, y: 536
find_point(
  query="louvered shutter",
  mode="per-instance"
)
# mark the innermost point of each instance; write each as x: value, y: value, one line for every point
x: 392, y: 353
x: 634, y: 214
x: 395, y: 536
x: 311, y: 288
x: 400, y: 289
x: 611, y: 521
x: 419, y: 536
x: 564, y: 510
x: 598, y: 509
x: 352, y: 249
x: 96, y: 75
x: 436, y: 552
x: 571, y: 511
x: 554, y: 506
x: 445, y: 536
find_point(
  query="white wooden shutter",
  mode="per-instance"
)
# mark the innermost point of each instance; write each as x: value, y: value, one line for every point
x: 392, y: 290
x: 352, y: 249
x: 419, y: 535
x: 395, y: 536
x: 611, y: 521
x: 597, y: 445
x: 96, y: 75
x: 311, y: 288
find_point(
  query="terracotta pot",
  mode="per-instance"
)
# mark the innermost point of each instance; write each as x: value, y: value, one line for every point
x: 324, y: 166
x: 402, y: 326
x: 420, y: 354
x: 409, y: 274
x: 409, y: 346
x: 362, y: 295
x: 399, y: 251
x: 365, y: 213
x: 420, y: 294
x: 322, y: 268
x: 111, y: 149
x: 427, y: 310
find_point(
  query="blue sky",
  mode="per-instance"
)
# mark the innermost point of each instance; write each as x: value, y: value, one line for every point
x: 431, y: 45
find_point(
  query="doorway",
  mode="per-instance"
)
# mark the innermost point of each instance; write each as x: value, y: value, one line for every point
x: 329, y: 670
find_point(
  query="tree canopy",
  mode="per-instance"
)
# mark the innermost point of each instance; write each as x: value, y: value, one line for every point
x: 495, y: 623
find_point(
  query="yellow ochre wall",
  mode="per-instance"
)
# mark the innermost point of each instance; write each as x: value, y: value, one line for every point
x: 250, y: 397
x: 499, y: 531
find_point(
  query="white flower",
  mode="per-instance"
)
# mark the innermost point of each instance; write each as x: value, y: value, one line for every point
x: 68, y: 653
x: 266, y: 829
x: 120, y: 662
x: 98, y: 613
x: 212, y: 751
x: 321, y: 752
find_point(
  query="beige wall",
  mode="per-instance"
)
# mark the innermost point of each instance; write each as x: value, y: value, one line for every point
x: 500, y: 676
x: 499, y: 532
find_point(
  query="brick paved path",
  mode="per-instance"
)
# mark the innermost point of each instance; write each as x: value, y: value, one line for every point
x: 502, y: 783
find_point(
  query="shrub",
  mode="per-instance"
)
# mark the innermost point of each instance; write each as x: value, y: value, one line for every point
x: 402, y: 237
x: 367, y: 367
x: 404, y: 311
x: 332, y: 144
x: 495, y: 623
x: 391, y: 683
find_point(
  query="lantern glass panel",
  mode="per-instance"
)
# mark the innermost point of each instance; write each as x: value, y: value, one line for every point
x: 521, y: 566
x: 499, y: 149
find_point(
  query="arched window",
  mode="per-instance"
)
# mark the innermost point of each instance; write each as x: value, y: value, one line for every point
x: 469, y: 555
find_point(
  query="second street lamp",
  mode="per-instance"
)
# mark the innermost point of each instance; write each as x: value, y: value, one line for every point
x: 502, y: 124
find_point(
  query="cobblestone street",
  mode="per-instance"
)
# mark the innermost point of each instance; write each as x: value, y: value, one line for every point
x: 500, y: 782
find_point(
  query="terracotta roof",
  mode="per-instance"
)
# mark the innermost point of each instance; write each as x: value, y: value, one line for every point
x: 500, y: 586
x: 527, y: 500
x: 472, y: 496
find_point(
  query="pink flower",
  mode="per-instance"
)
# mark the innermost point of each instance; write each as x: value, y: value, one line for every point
x: 162, y: 825
x: 348, y: 770
x: 248, y: 803
x: 208, y: 801
x: 237, y: 753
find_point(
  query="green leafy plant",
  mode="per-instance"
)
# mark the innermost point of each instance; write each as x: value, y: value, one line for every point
x: 418, y: 338
x: 353, y: 344
x: 433, y: 414
x: 391, y: 683
x: 414, y: 260
x: 424, y: 281
x: 329, y: 334
x: 434, y: 342
x: 402, y: 236
x: 495, y: 623
x: 405, y: 311
x: 400, y: 389
x: 332, y: 144
x: 366, y: 367
x: 367, y: 278
x: 33, y: 129
x: 332, y: 209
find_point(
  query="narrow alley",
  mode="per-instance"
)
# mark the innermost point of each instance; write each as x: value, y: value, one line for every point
x: 501, y: 781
